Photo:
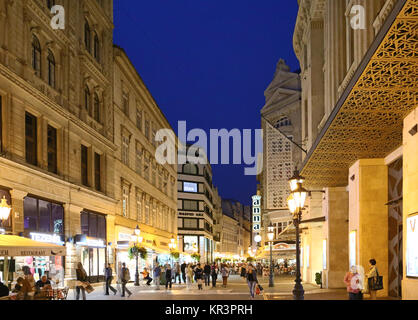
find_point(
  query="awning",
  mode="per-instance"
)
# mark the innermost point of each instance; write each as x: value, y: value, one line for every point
x: 15, y: 246
x: 367, y: 120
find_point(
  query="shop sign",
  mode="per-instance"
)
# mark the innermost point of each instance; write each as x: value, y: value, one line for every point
x: 47, y: 238
x: 256, y: 213
x: 83, y: 240
x: 4, y: 253
x: 124, y: 236
x: 412, y: 246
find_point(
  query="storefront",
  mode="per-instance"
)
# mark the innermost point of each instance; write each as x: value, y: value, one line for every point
x: 42, y: 258
x: 92, y: 245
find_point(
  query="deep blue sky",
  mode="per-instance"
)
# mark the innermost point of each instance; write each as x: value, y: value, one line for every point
x: 209, y: 62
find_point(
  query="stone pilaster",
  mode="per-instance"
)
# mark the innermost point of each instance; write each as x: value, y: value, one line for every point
x: 17, y: 212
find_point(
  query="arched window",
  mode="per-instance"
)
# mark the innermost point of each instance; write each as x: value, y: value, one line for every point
x: 87, y: 99
x: 96, y: 113
x: 96, y: 47
x: 190, y: 168
x: 87, y: 36
x: 51, y: 69
x: 36, y: 55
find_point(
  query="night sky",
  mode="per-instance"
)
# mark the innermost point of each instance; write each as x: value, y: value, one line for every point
x: 208, y: 62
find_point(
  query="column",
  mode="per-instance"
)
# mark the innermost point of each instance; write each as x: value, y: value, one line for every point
x: 17, y: 212
x: 410, y: 196
x: 368, y: 216
x: 335, y: 209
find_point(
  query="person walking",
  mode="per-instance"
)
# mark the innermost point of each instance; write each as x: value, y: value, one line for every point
x: 243, y: 271
x: 108, y: 278
x: 252, y: 281
x: 81, y: 275
x: 214, y: 273
x: 183, y: 271
x: 198, y: 274
x: 373, y: 273
x: 145, y: 275
x: 157, y: 275
x: 168, y: 276
x: 206, y: 272
x: 189, y: 275
x: 177, y: 273
x: 125, y: 276
x: 225, y: 275
x: 352, y: 281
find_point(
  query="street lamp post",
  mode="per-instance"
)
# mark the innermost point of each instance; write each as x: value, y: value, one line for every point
x: 137, y: 241
x: 296, y: 202
x: 270, y: 235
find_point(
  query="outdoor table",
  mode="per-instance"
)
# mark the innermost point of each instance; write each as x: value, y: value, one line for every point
x: 55, y: 294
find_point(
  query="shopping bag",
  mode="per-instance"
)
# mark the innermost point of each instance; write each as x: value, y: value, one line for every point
x: 257, y: 290
x: 89, y: 288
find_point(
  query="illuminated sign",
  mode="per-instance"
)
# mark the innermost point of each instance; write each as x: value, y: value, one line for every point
x: 352, y: 248
x: 124, y: 236
x: 189, y: 187
x: 256, y: 200
x: 412, y: 246
x: 47, y: 238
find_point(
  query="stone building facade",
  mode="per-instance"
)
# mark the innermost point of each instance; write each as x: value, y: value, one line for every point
x: 358, y: 127
x: 63, y: 134
x: 280, y: 121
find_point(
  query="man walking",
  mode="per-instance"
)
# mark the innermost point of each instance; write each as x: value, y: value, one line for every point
x: 109, y: 278
x: 157, y: 274
x: 206, y: 271
x: 177, y: 273
x: 125, y: 276
x: 168, y: 277
x: 183, y: 271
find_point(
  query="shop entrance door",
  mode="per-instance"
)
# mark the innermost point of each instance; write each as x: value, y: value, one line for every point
x: 96, y: 264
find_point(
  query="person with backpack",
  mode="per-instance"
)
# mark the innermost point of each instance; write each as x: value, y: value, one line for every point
x: 125, y: 276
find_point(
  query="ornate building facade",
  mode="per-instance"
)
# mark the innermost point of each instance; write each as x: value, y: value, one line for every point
x: 280, y: 120
x: 359, y: 79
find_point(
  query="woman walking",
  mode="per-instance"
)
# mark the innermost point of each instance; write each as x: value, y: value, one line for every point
x: 214, y: 274
x: 189, y: 275
x: 198, y: 274
x: 251, y: 280
x: 81, y: 277
x: 225, y: 275
x: 168, y: 277
x: 243, y: 271
x: 352, y: 281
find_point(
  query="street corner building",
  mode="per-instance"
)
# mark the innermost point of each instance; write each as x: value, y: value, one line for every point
x: 359, y: 126
x: 77, y: 128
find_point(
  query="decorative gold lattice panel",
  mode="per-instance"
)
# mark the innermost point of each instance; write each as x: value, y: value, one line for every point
x: 369, y: 123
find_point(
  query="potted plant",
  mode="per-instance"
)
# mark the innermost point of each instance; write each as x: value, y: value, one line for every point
x: 318, y: 278
x: 196, y: 256
x: 250, y: 259
x: 175, y: 255
x: 135, y: 251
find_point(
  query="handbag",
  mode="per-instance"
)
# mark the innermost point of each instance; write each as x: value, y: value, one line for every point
x: 260, y: 287
x: 257, y: 290
x: 375, y: 283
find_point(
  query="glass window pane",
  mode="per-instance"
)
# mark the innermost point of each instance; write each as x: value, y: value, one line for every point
x: 102, y: 261
x: 57, y: 219
x: 101, y: 230
x: 86, y: 260
x: 95, y: 262
x: 84, y: 223
x: 30, y: 214
x: 93, y: 225
x: 44, y: 216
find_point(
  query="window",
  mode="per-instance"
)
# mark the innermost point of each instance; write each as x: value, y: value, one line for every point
x: 96, y: 47
x: 147, y: 129
x: 93, y: 224
x: 146, y: 168
x: 138, y: 164
x: 36, y: 56
x: 190, y: 205
x: 51, y: 69
x: 154, y: 174
x: 43, y: 216
x: 84, y: 165
x: 97, y: 169
x: 87, y: 36
x: 154, y: 214
x: 31, y: 142
x: 147, y: 218
x: 125, y: 200
x: 125, y: 150
x: 125, y: 104
x: 139, y: 206
x: 190, y: 168
x: 190, y: 187
x: 190, y: 223
x: 87, y: 99
x: 1, y: 125
x: 52, y: 149
x: 96, y: 111
x: 139, y: 119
